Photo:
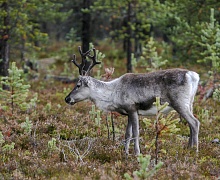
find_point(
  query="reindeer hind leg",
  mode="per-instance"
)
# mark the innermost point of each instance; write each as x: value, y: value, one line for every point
x: 194, y: 124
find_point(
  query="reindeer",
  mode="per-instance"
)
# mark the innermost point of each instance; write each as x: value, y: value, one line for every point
x: 135, y: 94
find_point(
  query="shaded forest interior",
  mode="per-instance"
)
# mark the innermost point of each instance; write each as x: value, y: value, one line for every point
x: 41, y: 137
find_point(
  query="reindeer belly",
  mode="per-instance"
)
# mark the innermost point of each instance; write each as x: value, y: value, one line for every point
x: 153, y: 110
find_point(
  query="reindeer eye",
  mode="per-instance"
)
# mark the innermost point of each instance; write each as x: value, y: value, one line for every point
x: 78, y: 85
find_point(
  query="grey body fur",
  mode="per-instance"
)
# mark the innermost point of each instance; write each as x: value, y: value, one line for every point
x: 134, y: 94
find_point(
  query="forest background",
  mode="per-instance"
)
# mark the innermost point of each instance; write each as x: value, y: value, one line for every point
x: 41, y: 137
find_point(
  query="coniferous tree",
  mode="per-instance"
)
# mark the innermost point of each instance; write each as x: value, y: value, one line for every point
x: 210, y: 42
x: 183, y: 22
x: 4, y: 35
x: 20, y: 27
x: 18, y: 91
x: 129, y: 23
x: 150, y: 57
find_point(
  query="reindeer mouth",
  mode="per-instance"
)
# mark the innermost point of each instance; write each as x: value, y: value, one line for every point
x: 71, y: 103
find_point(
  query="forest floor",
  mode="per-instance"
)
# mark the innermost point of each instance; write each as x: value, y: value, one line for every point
x: 72, y: 142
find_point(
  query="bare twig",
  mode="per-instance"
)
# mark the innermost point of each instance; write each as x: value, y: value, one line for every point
x: 71, y: 145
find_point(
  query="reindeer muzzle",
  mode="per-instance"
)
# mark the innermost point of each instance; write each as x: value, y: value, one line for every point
x: 68, y: 101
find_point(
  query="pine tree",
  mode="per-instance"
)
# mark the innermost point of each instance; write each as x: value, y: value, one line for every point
x: 183, y: 22
x: 129, y: 23
x: 162, y: 126
x: 150, y: 57
x: 21, y: 27
x: 210, y: 42
x: 18, y: 90
x: 144, y: 171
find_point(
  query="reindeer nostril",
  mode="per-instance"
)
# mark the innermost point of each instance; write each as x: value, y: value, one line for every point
x: 67, y: 99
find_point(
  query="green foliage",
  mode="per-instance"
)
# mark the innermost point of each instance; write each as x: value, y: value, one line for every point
x: 18, y: 90
x: 25, y: 19
x: 1, y: 139
x: 27, y: 126
x: 144, y: 171
x: 66, y: 90
x: 162, y: 127
x: 33, y: 101
x: 204, y: 115
x: 210, y: 42
x: 150, y: 57
x: 67, y: 70
x: 216, y: 95
x: 95, y: 115
x: 71, y: 37
x: 98, y: 118
x: 51, y: 145
x: 117, y: 10
x: 7, y: 148
x: 92, y: 112
x: 100, y: 157
x: 183, y: 22
x: 99, y: 56
x: 133, y: 62
x: 131, y: 22
x: 66, y: 51
x: 48, y: 107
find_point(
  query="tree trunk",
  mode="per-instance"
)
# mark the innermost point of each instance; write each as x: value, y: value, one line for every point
x: 86, y: 39
x: 129, y: 49
x: 4, y: 47
x: 86, y: 18
x: 137, y: 48
x: 22, y: 50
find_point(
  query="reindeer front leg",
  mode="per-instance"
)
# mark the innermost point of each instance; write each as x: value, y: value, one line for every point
x: 132, y: 128
x: 128, y: 136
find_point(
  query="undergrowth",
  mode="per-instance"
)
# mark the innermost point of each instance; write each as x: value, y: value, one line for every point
x: 56, y: 141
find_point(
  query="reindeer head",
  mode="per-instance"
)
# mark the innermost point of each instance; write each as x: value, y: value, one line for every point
x: 81, y: 91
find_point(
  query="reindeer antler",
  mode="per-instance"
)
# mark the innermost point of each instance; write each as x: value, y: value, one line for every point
x: 83, y: 63
x: 81, y: 66
x: 93, y: 63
